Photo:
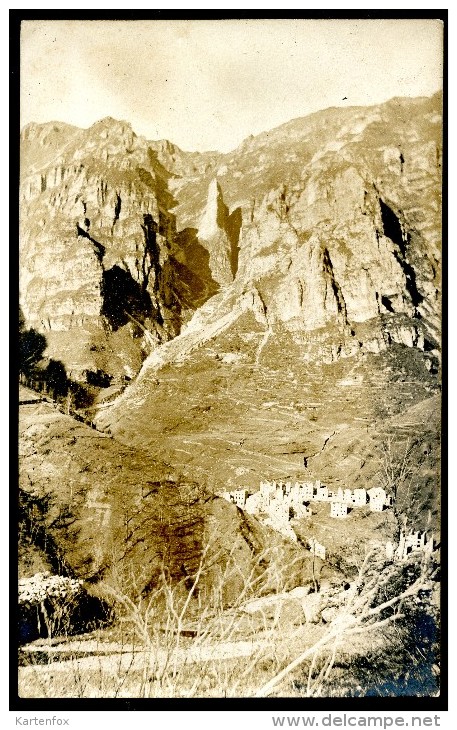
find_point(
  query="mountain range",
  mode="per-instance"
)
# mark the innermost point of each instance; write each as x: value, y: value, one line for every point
x: 272, y: 312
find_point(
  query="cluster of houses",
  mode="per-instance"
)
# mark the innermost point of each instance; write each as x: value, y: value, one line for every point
x: 279, y: 502
x: 409, y: 544
x: 284, y: 501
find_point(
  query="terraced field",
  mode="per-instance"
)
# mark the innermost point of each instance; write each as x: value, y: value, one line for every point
x: 226, y: 420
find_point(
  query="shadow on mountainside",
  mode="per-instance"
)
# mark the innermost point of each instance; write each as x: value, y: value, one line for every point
x: 123, y: 297
x: 194, y: 283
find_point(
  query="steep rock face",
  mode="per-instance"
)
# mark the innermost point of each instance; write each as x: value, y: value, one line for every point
x: 333, y: 266
x: 219, y: 233
x: 183, y: 164
x: 97, y: 239
x: 341, y: 221
x: 331, y: 325
x: 333, y: 220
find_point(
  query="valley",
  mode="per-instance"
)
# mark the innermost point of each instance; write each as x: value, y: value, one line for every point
x: 197, y: 323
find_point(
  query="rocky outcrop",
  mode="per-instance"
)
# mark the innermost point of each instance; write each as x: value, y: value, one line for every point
x: 343, y: 245
x: 97, y: 237
x: 183, y: 165
x: 333, y: 219
x: 219, y: 233
x: 340, y: 216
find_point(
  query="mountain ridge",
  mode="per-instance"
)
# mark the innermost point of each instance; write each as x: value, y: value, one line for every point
x: 322, y: 236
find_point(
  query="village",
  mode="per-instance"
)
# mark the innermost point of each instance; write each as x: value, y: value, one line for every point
x: 277, y: 503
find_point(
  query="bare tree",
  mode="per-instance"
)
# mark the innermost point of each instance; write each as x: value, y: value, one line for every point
x: 395, y: 464
x: 186, y: 642
x: 362, y: 613
x: 399, y: 473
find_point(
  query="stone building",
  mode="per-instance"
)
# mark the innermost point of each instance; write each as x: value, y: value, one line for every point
x: 338, y: 509
x: 347, y: 496
x: 305, y: 491
x: 279, y: 510
x: 316, y: 548
x: 360, y: 497
x: 239, y: 497
x: 378, y: 499
x: 267, y: 488
x: 415, y: 541
x: 254, y: 503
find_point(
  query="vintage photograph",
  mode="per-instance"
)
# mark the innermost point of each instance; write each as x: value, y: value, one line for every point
x: 230, y: 392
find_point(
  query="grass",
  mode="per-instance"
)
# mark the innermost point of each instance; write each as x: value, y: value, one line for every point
x: 163, y: 647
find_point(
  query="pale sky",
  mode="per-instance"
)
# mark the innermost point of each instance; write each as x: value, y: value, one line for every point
x: 208, y: 84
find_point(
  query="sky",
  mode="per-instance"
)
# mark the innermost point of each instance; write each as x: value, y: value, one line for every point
x: 208, y: 84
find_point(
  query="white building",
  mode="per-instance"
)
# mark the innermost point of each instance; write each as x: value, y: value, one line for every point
x: 279, y: 510
x: 377, y: 499
x: 295, y: 492
x: 254, y: 503
x: 411, y: 543
x: 279, y: 494
x: 360, y: 497
x: 316, y: 548
x: 306, y: 491
x: 347, y: 496
x: 239, y: 497
x: 338, y: 509
x: 267, y: 488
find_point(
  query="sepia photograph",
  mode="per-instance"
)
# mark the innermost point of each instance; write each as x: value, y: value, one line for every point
x: 229, y: 350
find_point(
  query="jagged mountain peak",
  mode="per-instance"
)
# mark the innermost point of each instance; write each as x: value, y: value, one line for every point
x: 42, y: 131
x: 165, y: 147
x: 110, y: 122
x: 114, y: 129
x: 366, y: 138
x: 334, y: 218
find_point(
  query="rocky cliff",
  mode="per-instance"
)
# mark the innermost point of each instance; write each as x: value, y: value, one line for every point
x: 333, y: 220
x: 330, y: 328
x: 103, y: 275
x: 263, y: 301
x: 341, y: 221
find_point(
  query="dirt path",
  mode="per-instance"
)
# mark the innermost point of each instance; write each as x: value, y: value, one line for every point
x: 115, y: 657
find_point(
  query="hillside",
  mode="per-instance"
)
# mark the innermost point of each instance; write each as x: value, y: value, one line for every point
x: 114, y: 516
x: 197, y: 323
x: 331, y: 326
